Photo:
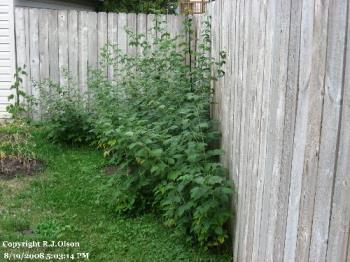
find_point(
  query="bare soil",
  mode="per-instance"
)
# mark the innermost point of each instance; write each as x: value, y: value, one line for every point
x: 11, y: 167
x: 111, y: 170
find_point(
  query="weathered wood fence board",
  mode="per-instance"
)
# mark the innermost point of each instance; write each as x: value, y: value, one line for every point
x: 73, y: 42
x: 49, y: 41
x: 62, y: 42
x: 53, y: 45
x: 283, y: 108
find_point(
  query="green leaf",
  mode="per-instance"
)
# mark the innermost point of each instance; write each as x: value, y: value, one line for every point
x: 215, y: 180
x: 157, y: 152
x: 112, y: 142
x: 198, y: 192
x: 130, y: 133
x: 216, y: 152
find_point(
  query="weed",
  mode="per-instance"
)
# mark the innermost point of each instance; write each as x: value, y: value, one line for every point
x: 22, y: 102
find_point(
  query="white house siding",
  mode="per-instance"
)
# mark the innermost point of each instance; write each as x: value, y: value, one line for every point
x: 7, y: 61
x: 58, y: 4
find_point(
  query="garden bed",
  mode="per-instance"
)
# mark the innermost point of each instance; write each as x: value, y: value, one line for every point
x: 12, y: 166
x: 17, y: 151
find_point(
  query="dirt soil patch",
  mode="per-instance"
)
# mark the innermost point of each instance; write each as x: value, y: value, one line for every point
x: 11, y: 167
x: 111, y: 170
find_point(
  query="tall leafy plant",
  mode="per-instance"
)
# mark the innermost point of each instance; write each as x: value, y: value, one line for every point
x: 154, y: 123
x: 21, y: 103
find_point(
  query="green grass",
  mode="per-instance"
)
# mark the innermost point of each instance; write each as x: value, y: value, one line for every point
x: 63, y: 203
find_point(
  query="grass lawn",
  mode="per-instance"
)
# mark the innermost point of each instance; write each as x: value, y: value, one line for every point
x: 62, y: 203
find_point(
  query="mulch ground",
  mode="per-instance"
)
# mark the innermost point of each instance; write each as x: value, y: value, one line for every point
x: 11, y: 167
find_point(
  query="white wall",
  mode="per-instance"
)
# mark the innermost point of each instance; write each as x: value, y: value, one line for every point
x: 57, y: 4
x: 7, y: 61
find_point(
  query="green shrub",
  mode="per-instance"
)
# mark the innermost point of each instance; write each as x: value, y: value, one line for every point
x: 154, y: 122
x: 64, y: 109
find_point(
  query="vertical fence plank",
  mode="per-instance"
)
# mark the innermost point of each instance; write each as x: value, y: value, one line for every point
x: 234, y: 19
x: 280, y: 80
x: 266, y: 185
x: 83, y: 50
x: 258, y: 21
x: 62, y: 44
x: 102, y: 30
x: 301, y: 133
x: 239, y: 95
x: 192, y: 37
x: 225, y: 80
x: 233, y: 93
x: 214, y: 52
x: 251, y: 102
x: 92, y: 40
x: 122, y: 36
x: 318, y: 245
x: 44, y: 44
x: 247, y: 121
x: 162, y: 24
x: 199, y: 38
x: 179, y: 31
x: 28, y: 39
x: 132, y: 26
x: 73, y: 43
x: 339, y: 231
x: 330, y: 121
x: 151, y: 32
x: 112, y: 38
x: 315, y: 102
x: 236, y: 121
x: 101, y: 36
x: 170, y: 24
x: 34, y: 55
x: 53, y: 46
x: 34, y: 48
x: 112, y: 28
x: 289, y: 127
x: 339, y: 234
x: 141, y: 27
x: 265, y: 92
x: 244, y: 126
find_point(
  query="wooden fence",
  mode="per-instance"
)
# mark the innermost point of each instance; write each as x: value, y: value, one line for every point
x: 48, y: 41
x: 284, y: 108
